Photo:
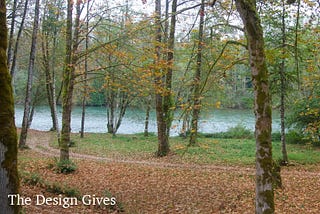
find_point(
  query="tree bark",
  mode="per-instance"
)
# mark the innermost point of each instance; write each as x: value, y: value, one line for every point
x: 168, y: 102
x: 28, y: 98
x: 146, y: 123
x: 163, y: 141
x: 12, y: 28
x: 9, y: 180
x: 85, y: 90
x: 16, y: 46
x: 283, y: 90
x: 197, y: 82
x: 296, y: 52
x: 50, y: 82
x: 262, y: 106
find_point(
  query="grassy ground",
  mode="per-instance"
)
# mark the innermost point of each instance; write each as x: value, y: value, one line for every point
x: 208, y: 151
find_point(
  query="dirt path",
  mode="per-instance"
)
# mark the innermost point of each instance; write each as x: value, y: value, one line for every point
x: 39, y: 142
x: 159, y: 185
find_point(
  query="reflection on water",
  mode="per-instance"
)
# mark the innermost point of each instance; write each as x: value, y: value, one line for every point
x: 216, y: 120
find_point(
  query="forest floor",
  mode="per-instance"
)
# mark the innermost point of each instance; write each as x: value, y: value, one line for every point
x: 157, y: 185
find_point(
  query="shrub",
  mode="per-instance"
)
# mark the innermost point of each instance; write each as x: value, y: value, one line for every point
x: 64, y: 166
x: 276, y: 136
x: 295, y: 137
x: 237, y: 132
x: 305, y: 118
x: 31, y: 178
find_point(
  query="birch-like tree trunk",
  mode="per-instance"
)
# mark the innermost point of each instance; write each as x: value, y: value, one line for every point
x: 262, y: 106
x: 9, y: 180
x: 28, y: 97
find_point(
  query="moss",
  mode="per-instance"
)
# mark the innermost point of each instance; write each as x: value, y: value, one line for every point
x: 268, y: 199
x: 8, y: 133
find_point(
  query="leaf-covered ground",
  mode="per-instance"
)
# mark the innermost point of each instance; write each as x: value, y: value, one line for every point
x: 162, y: 187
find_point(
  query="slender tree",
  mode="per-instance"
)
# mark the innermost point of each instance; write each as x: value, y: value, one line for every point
x: 262, y: 106
x: 9, y: 181
x: 72, y: 43
x: 49, y: 43
x: 168, y: 102
x: 197, y: 81
x: 85, y: 76
x: 163, y: 141
x: 67, y: 88
x: 16, y: 45
x: 283, y: 87
x: 28, y: 97
x: 12, y: 28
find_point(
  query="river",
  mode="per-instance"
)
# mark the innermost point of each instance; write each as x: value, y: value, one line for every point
x: 217, y: 120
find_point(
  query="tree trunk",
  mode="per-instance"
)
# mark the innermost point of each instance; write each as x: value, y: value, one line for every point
x: 163, y: 141
x: 262, y: 106
x: 67, y: 88
x: 84, y: 98
x: 283, y: 90
x: 146, y: 123
x: 50, y: 83
x: 9, y: 180
x: 197, y: 82
x: 168, y: 99
x: 27, y: 103
x: 53, y: 84
x: 16, y: 46
x: 185, y: 125
x: 296, y: 53
x: 117, y: 105
x: 12, y: 28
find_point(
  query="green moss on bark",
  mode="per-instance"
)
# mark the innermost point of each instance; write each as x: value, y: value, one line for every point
x: 8, y: 133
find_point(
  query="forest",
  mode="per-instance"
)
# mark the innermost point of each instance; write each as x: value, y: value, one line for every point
x: 172, y: 60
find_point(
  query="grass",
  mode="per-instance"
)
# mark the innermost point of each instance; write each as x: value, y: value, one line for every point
x: 208, y: 151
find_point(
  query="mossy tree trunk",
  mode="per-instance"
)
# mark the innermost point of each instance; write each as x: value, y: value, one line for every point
x: 9, y: 181
x: 197, y: 81
x: 72, y: 44
x: 262, y: 106
x: 163, y: 140
x: 28, y: 98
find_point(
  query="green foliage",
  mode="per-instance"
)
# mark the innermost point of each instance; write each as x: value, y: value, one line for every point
x: 97, y: 95
x: 209, y: 150
x: 35, y: 179
x: 65, y: 166
x: 295, y: 137
x: 62, y: 189
x: 237, y: 132
x: 305, y: 118
x: 31, y: 178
